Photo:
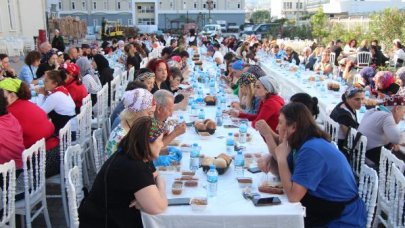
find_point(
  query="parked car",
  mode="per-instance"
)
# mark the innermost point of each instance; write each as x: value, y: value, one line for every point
x: 233, y: 27
x: 211, y: 30
x: 260, y: 30
x: 223, y: 25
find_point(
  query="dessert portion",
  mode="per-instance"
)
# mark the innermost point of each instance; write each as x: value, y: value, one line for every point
x: 221, y: 162
x: 191, y: 183
x: 177, y: 188
x: 210, y: 100
x: 334, y: 86
x: 275, y: 189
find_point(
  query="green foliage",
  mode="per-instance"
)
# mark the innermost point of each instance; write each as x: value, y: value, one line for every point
x: 338, y: 31
x: 319, y: 24
x: 388, y: 25
x: 260, y: 16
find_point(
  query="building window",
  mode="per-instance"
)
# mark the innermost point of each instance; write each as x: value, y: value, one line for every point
x: 83, y: 5
x: 130, y: 22
x: 60, y: 5
x: 146, y: 21
x: 119, y: 5
x: 301, y: 5
x: 238, y: 5
x: 171, y: 5
x: 130, y: 5
x: 204, y: 6
x: 73, y: 6
x: 11, y: 15
x: 105, y: 5
x: 119, y: 20
x: 94, y: 5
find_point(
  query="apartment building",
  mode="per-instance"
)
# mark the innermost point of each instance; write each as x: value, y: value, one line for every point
x: 290, y: 9
x: 353, y: 7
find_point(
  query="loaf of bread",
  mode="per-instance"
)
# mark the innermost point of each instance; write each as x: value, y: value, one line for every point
x: 271, y: 189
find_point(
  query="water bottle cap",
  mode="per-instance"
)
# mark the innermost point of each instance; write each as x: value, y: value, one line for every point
x: 230, y: 134
x: 195, y: 144
x: 212, y: 166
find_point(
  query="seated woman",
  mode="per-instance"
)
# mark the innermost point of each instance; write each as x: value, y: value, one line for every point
x: 266, y: 89
x: 268, y: 162
x: 11, y: 145
x: 318, y: 166
x: 102, y: 69
x: 248, y: 102
x: 345, y: 114
x: 367, y: 75
x: 29, y: 70
x: 137, y: 103
x: 401, y: 78
x: 377, y: 57
x: 173, y: 83
x: 291, y: 55
x: 90, y: 80
x: 147, y: 78
x: 33, y: 120
x: 379, y: 125
x: 73, y: 84
x: 385, y: 84
x: 161, y: 70
x: 55, y: 100
x: 350, y: 48
x: 324, y: 65
x: 50, y: 64
x: 399, y: 53
x: 127, y: 182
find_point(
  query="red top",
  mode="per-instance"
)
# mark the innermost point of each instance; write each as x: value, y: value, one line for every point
x: 77, y: 92
x: 269, y: 111
x: 11, y: 141
x: 34, y: 123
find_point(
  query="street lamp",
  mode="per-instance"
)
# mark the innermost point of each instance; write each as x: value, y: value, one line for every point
x: 210, y: 5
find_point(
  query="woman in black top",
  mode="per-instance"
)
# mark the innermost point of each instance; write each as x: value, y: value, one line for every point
x: 291, y: 55
x: 105, y: 73
x: 127, y: 183
x: 345, y: 113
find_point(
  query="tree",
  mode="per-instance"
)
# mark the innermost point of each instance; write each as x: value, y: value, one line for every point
x: 319, y: 23
x: 260, y: 16
x: 387, y: 25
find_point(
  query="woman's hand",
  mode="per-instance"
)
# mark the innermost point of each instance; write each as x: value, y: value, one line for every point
x: 234, y: 113
x: 263, y: 163
x: 263, y: 128
x: 40, y: 90
x: 283, y: 149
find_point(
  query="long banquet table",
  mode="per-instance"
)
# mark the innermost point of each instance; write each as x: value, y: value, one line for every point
x: 228, y: 208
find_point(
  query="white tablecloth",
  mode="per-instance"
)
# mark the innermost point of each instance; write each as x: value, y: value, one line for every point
x: 228, y: 208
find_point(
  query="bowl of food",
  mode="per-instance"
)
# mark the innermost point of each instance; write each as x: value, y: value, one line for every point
x: 370, y: 103
x: 198, y: 203
x: 334, y: 86
x: 207, y: 126
x: 210, y: 100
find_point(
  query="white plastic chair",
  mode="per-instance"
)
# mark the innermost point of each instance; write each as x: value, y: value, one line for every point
x: 101, y: 107
x: 357, y: 152
x: 387, y: 161
x: 73, y: 159
x: 34, y: 161
x: 7, y: 174
x: 65, y: 141
x: 84, y: 140
x: 368, y: 190
x: 397, y: 194
x: 115, y: 87
x: 363, y: 59
x: 332, y: 128
x: 332, y: 58
x: 73, y: 185
x: 98, y: 148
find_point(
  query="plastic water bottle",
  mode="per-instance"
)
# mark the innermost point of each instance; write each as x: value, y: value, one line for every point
x: 223, y: 102
x: 190, y: 105
x: 218, y: 116
x: 34, y: 97
x: 194, y: 108
x: 212, y: 178
x: 243, y: 132
x: 367, y: 94
x: 239, y: 164
x: 41, y: 83
x: 206, y: 80
x: 212, y: 86
x: 201, y: 114
x: 230, y: 143
x: 195, y: 157
x: 294, y: 62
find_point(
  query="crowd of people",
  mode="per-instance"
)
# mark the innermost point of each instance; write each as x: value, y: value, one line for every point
x: 300, y: 152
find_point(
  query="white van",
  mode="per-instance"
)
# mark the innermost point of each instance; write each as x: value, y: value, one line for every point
x: 211, y: 30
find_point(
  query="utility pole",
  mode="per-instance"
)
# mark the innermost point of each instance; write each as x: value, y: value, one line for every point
x: 210, y: 7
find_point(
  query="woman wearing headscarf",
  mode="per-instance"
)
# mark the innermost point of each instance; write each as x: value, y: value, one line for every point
x: 90, y: 80
x: 73, y: 84
x: 401, y: 79
x: 367, y: 74
x: 101, y: 65
x: 248, y: 102
x: 266, y: 89
x: 147, y: 78
x: 385, y: 83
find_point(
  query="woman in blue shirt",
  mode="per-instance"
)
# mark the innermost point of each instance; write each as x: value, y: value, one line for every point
x: 322, y: 179
x: 28, y: 71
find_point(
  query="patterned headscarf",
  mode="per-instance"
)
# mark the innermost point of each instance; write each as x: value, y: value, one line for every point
x: 156, y: 129
x: 145, y: 76
x: 401, y: 74
x: 394, y: 100
x: 138, y: 100
x: 256, y: 71
x: 367, y: 73
x: 247, y: 79
x: 386, y: 78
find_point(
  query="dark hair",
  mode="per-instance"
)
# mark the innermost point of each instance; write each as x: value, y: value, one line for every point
x: 141, y: 71
x: 276, y: 46
x: 184, y: 54
x: 56, y: 76
x: 229, y: 56
x: 3, y: 56
x: 338, y: 41
x: 136, y: 143
x: 352, y: 41
x: 31, y: 57
x: 127, y: 48
x: 175, y: 72
x: 139, y: 49
x: 399, y: 45
x: 167, y: 50
x: 172, y: 41
x: 306, y: 128
x: 135, y: 85
x: 192, y: 32
x: 24, y: 93
x: 64, y: 74
x: 307, y: 100
x: 3, y: 103
x: 375, y: 41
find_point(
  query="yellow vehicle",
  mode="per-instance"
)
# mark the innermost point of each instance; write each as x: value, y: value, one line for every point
x: 112, y: 29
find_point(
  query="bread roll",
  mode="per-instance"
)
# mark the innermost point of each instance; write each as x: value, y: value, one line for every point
x: 207, y: 161
x: 220, y: 163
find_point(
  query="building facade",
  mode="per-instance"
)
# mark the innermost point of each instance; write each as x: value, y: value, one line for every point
x: 22, y: 18
x: 174, y: 12
x: 353, y: 7
x: 290, y: 9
